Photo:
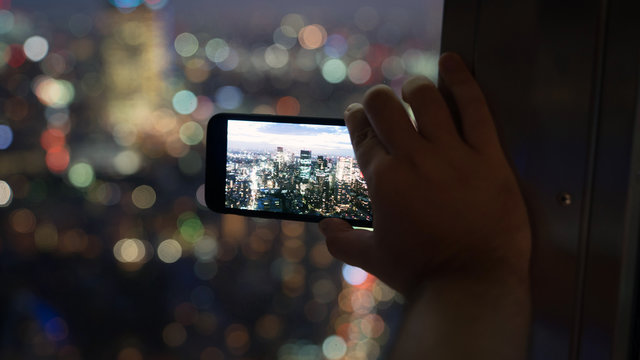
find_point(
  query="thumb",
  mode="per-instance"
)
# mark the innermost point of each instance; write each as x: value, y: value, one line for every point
x: 354, y: 247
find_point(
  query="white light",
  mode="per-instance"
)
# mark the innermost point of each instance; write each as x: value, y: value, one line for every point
x: 353, y: 275
x: 334, y: 347
x: 36, y: 48
x: 169, y: 251
x: 6, y: 195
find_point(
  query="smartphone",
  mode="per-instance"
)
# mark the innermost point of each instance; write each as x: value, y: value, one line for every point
x: 284, y: 167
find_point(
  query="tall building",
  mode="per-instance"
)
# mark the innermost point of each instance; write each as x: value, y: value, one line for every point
x: 344, y: 170
x: 305, y: 165
x: 135, y: 61
x: 279, y: 157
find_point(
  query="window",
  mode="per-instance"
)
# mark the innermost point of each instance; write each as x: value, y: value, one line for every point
x: 106, y: 245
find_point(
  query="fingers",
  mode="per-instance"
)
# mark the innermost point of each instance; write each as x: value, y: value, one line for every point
x: 477, y: 124
x: 431, y: 112
x: 366, y: 145
x: 354, y: 247
x: 390, y: 121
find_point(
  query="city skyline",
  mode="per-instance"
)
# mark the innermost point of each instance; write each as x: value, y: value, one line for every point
x: 267, y: 136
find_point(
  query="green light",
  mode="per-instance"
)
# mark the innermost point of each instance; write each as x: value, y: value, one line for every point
x: 191, y: 133
x: 190, y: 227
x: 81, y: 175
x: 185, y: 102
x: 334, y: 71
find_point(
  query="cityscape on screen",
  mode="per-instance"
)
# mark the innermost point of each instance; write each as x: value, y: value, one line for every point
x: 294, y: 168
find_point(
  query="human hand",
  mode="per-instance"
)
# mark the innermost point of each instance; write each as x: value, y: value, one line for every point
x: 445, y: 204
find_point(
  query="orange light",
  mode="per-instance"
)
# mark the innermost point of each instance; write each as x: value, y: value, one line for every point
x: 57, y: 159
x: 288, y: 105
x: 312, y: 36
x: 52, y: 138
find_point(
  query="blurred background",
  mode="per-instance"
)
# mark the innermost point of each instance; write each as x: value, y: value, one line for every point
x: 106, y: 248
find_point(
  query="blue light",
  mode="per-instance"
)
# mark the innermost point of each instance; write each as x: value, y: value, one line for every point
x: 229, y: 97
x: 6, y: 137
x: 336, y: 46
x: 126, y: 4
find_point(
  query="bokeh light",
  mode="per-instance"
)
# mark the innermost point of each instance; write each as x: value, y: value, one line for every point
x: 353, y: 275
x: 276, y: 56
x: 335, y: 46
x: 6, y: 137
x: 143, y: 197
x: 191, y: 133
x: 57, y: 159
x: 334, y: 347
x: 217, y: 50
x: 359, y: 72
x: 312, y: 36
x: 127, y: 162
x: 6, y: 21
x: 36, y: 48
x: 186, y: 44
x: 54, y: 93
x: 129, y: 251
x: 184, y: 102
x: 288, y: 105
x: 169, y: 251
x: 334, y: 71
x: 229, y: 97
x: 6, y: 194
x: 81, y: 175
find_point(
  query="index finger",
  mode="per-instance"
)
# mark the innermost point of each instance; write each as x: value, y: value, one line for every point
x: 391, y: 122
x: 366, y: 145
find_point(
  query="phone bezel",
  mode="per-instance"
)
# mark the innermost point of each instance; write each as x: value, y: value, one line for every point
x: 216, y: 164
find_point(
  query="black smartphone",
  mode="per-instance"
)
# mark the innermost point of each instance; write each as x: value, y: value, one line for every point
x: 284, y: 167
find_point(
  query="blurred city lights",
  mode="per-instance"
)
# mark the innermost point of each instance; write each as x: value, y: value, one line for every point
x: 334, y: 347
x: 6, y: 21
x: 54, y: 93
x: 57, y: 159
x: 217, y: 50
x: 288, y: 105
x: 81, y: 175
x: 36, y: 48
x: 191, y: 133
x: 143, y: 197
x: 169, y: 251
x: 276, y: 56
x: 112, y: 94
x: 229, y: 97
x: 185, y: 102
x: 312, y: 36
x: 336, y: 46
x: 6, y: 195
x: 129, y: 251
x: 127, y: 162
x: 334, y: 71
x: 294, y: 21
x: 186, y: 44
x: 285, y: 36
x: 353, y: 275
x: 6, y: 137
x: 359, y: 72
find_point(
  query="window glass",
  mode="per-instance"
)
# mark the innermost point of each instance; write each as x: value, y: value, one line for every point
x: 106, y: 247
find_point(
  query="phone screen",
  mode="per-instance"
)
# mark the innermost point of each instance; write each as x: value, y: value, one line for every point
x: 293, y: 168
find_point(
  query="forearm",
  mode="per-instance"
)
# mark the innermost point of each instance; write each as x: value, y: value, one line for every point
x: 467, y: 318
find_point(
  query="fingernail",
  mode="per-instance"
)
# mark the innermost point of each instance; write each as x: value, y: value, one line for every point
x: 351, y: 107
